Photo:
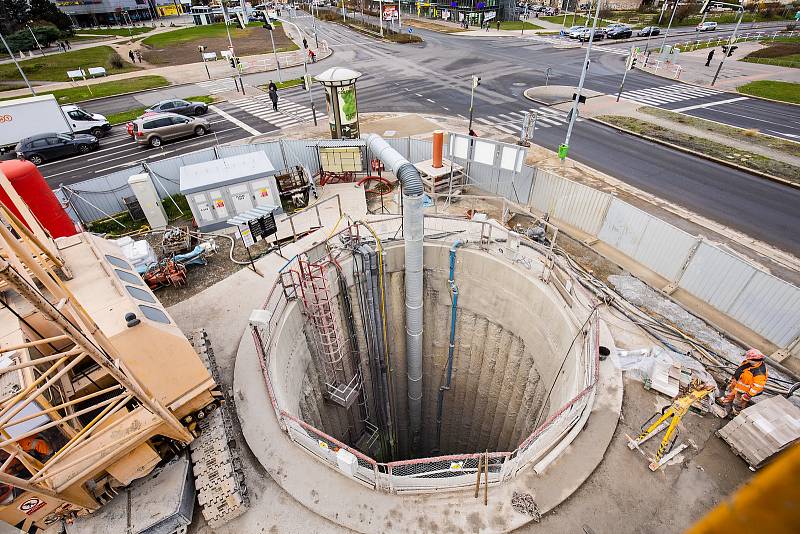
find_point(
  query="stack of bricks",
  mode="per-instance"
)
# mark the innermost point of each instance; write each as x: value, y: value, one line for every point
x: 763, y: 429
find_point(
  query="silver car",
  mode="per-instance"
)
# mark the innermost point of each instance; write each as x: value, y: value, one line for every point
x: 154, y: 129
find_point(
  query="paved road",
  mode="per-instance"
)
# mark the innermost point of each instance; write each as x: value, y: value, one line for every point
x: 434, y: 77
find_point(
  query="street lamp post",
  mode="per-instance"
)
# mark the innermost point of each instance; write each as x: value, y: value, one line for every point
x: 35, y: 40
x: 305, y: 72
x: 268, y: 26
x: 476, y: 81
x: 666, y: 33
x: 564, y: 149
x: 380, y: 15
x: 730, y: 43
x: 235, y: 63
x: 14, y: 59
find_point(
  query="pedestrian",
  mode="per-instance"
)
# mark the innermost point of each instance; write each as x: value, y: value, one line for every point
x: 498, y: 25
x: 486, y: 24
x: 709, y: 58
x: 273, y: 95
x: 305, y: 43
x: 69, y: 46
x: 472, y: 133
x: 63, y: 46
x: 272, y: 86
x: 747, y: 381
x: 138, y: 55
x: 312, y: 55
x: 130, y: 55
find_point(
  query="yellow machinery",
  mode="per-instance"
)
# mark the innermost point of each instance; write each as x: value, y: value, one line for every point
x: 97, y: 382
x: 669, y: 420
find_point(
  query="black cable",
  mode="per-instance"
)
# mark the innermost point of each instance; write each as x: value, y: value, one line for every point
x: 564, y: 361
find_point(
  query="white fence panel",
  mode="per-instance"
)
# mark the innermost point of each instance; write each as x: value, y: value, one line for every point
x: 652, y: 242
x: 576, y: 204
x: 716, y: 276
x: 419, y: 150
x: 770, y: 307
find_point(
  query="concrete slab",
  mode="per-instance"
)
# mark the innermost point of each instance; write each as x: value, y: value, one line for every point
x: 556, y: 94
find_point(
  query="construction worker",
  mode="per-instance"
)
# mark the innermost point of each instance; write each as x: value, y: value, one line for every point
x: 36, y: 447
x: 747, y: 381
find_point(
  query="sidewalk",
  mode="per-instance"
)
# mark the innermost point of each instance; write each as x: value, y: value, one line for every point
x: 733, y: 74
x: 188, y: 73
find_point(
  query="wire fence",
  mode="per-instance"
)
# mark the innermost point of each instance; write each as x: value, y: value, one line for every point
x: 430, y: 474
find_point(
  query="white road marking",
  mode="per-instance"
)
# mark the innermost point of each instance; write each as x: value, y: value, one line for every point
x: 709, y: 104
x: 429, y: 100
x: 234, y: 120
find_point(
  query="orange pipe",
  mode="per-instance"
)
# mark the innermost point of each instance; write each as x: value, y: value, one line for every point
x: 438, y: 142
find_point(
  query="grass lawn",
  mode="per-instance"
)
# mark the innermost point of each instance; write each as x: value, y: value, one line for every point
x: 285, y: 84
x: 766, y: 141
x: 115, y: 32
x: 516, y: 25
x: 194, y: 33
x: 54, y: 67
x: 705, y: 146
x: 783, y: 91
x: 126, y: 116
x: 790, y: 61
x: 80, y: 93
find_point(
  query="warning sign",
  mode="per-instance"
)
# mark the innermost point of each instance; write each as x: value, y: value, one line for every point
x: 32, y: 505
x: 456, y: 466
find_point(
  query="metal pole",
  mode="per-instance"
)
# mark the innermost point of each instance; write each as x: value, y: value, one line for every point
x: 305, y: 71
x: 574, y: 112
x: 730, y: 43
x: 35, y: 40
x: 624, y: 74
x: 399, y: 22
x: 274, y: 53
x: 566, y: 8
x: 380, y: 14
x: 471, y: 101
x: 666, y: 33
x: 14, y: 59
x: 205, y: 64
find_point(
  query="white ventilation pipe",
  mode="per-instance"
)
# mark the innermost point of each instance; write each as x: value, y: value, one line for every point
x: 412, y: 236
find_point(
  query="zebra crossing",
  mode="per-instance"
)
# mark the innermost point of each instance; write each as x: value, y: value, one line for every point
x: 222, y: 85
x: 612, y: 50
x: 288, y: 114
x: 657, y: 96
x: 511, y: 123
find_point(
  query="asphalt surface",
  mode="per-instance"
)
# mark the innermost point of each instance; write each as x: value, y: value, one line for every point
x: 434, y: 77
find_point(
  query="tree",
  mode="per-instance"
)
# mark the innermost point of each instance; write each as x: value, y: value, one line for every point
x: 46, y: 11
x: 13, y: 14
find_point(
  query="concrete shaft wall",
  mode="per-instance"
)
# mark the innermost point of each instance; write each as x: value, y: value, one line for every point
x: 512, y: 333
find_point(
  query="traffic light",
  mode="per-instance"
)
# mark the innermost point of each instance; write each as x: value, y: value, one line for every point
x: 232, y: 61
x: 729, y: 50
x: 476, y: 81
x: 303, y: 82
x: 633, y: 63
x: 267, y: 26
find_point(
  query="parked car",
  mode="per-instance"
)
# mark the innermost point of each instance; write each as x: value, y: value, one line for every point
x: 706, y: 26
x: 565, y: 32
x: 182, y: 107
x: 587, y: 32
x: 49, y: 146
x: 619, y: 32
x: 576, y: 33
x: 153, y: 130
x: 648, y: 30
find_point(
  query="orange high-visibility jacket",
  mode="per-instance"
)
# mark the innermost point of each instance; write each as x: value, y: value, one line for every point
x: 750, y: 377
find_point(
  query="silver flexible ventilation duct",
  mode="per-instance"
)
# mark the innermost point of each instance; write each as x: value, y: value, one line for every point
x: 412, y: 236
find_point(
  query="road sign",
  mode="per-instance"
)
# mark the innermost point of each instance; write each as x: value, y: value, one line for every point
x: 411, y: 30
x: 262, y: 227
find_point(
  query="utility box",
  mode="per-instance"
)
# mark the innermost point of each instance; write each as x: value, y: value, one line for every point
x: 149, y: 200
x: 219, y: 190
x: 347, y: 462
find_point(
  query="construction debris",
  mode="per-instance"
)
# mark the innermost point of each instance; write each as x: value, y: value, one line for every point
x: 762, y: 430
x: 524, y: 504
x: 667, y: 372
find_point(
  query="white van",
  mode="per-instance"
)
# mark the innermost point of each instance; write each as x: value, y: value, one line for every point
x: 706, y: 27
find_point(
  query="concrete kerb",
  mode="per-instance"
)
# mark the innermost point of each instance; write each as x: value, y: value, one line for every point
x: 699, y: 154
x: 568, y: 90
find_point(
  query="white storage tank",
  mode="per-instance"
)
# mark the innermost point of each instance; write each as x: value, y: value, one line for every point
x: 223, y: 188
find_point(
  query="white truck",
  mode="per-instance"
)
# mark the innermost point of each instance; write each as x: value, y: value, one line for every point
x: 24, y: 117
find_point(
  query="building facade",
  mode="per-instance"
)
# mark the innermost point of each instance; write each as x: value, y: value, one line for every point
x: 107, y: 12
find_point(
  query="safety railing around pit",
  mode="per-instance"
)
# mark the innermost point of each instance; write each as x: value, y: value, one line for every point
x: 441, y: 473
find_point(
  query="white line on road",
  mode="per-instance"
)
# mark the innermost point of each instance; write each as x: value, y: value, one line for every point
x: 234, y: 120
x: 419, y: 95
x: 429, y: 100
x: 709, y: 104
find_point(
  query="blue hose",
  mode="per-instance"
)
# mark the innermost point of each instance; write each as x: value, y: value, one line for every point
x: 451, y: 347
